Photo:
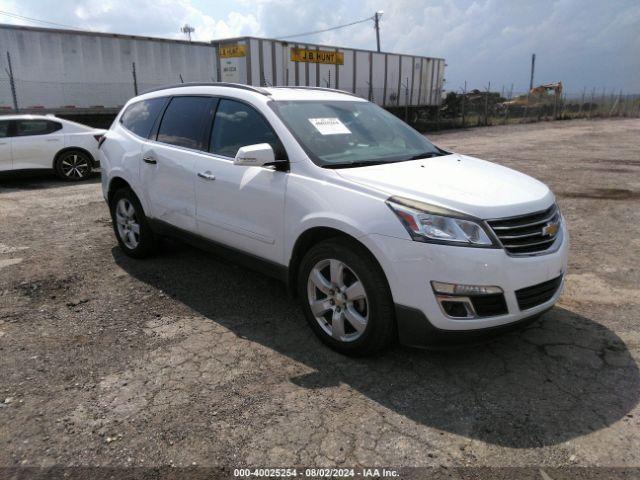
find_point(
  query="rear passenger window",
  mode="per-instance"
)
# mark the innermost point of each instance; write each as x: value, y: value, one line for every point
x: 184, y: 122
x: 237, y: 125
x: 54, y: 126
x: 140, y: 116
x: 26, y: 128
x: 4, y: 129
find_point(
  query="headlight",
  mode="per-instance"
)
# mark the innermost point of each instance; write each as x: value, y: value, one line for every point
x: 428, y: 223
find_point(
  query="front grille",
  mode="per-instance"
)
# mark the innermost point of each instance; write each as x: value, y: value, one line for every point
x: 526, y: 234
x: 489, y: 305
x: 535, y: 295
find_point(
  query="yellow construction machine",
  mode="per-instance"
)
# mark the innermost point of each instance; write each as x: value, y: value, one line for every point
x: 542, y: 94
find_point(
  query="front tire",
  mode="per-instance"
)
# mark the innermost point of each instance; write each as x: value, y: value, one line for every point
x: 134, y: 235
x: 73, y: 165
x: 346, y: 298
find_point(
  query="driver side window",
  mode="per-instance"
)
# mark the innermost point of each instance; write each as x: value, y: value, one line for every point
x: 237, y: 125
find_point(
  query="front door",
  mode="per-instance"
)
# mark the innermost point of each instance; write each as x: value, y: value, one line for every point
x: 241, y: 207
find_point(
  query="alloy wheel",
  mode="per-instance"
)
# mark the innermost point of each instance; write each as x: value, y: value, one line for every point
x: 127, y: 223
x: 75, y: 166
x: 338, y: 300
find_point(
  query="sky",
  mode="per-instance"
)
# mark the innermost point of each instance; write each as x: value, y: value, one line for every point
x: 583, y: 43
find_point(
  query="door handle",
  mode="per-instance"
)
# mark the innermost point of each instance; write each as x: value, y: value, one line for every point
x: 53, y: 139
x: 207, y: 175
x: 149, y: 159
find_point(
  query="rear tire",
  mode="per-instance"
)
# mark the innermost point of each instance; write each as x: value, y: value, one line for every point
x: 346, y: 298
x: 130, y: 225
x: 73, y: 165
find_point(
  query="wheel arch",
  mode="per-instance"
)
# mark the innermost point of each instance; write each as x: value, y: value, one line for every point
x: 311, y: 237
x: 115, y: 184
x: 73, y: 149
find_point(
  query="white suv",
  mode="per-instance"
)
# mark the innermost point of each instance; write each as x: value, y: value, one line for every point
x: 380, y: 233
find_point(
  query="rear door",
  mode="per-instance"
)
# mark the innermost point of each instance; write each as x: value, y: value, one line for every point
x: 167, y: 167
x: 35, y: 143
x: 242, y: 207
x: 5, y: 146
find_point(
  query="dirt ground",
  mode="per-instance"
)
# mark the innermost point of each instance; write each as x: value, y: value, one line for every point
x: 187, y: 359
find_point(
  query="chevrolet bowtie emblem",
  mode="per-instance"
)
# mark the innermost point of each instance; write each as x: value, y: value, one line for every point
x: 550, y: 229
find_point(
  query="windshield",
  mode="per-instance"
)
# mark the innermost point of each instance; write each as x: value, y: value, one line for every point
x: 341, y: 134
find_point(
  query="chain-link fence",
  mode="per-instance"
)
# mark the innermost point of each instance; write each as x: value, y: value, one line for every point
x: 460, y: 109
x: 53, y: 96
x: 18, y: 93
x: 6, y: 97
x: 484, y: 108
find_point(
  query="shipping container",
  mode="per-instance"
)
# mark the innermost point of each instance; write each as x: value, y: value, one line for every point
x: 388, y: 79
x: 54, y: 69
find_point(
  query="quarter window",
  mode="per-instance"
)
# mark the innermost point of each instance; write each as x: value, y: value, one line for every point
x: 237, y: 125
x: 184, y: 122
x: 36, y: 127
x: 140, y: 116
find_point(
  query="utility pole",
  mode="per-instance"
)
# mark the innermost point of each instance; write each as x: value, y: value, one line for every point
x: 12, y: 83
x: 406, y: 101
x: 464, y: 97
x: 486, y: 105
x: 533, y: 68
x: 584, y: 92
x: 376, y: 20
x: 135, y: 78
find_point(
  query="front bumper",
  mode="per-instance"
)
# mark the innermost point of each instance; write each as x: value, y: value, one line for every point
x: 415, y: 330
x: 411, y: 266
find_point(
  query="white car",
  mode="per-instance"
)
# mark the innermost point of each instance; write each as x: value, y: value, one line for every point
x: 45, y: 142
x: 381, y: 234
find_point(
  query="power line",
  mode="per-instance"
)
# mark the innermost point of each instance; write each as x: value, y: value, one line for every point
x: 304, y: 34
x: 22, y: 17
x: 326, y: 29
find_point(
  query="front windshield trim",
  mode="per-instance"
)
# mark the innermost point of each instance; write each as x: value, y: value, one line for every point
x: 275, y: 104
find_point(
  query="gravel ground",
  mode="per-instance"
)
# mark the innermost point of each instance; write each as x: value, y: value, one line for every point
x: 186, y: 358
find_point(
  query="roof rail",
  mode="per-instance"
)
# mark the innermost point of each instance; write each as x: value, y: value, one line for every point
x: 318, y: 88
x: 212, y: 84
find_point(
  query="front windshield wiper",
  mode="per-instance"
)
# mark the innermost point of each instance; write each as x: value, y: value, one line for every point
x: 367, y: 163
x: 364, y: 163
x: 427, y: 155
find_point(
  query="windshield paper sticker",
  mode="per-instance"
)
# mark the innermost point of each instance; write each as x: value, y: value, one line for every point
x: 329, y: 126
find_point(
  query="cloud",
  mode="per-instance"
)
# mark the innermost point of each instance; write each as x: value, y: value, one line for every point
x: 138, y: 17
x: 584, y: 43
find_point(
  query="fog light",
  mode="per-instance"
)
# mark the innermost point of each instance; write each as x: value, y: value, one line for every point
x: 457, y: 289
x: 455, y: 309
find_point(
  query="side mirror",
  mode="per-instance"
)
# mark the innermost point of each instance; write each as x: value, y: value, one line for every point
x: 258, y: 155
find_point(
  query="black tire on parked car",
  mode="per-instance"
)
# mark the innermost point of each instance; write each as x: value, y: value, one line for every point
x: 346, y: 298
x: 73, y: 165
x: 134, y: 235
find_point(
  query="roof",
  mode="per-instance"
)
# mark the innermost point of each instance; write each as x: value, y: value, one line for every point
x: 200, y: 43
x: 310, y: 93
x: 300, y: 43
x: 100, y: 34
x: 274, y: 93
x: 27, y: 116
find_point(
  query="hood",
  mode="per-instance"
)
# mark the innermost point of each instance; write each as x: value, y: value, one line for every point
x: 458, y: 182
